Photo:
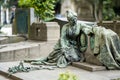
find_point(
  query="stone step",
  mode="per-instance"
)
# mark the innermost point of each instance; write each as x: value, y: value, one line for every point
x: 10, y: 39
x: 87, y: 66
x: 25, y: 50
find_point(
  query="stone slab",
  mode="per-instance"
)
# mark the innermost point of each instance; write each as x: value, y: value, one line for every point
x: 89, y: 67
x: 46, y: 48
x: 34, y: 52
x: 20, y: 54
x: 25, y: 50
x: 3, y: 78
x: 54, y: 74
x: 7, y: 56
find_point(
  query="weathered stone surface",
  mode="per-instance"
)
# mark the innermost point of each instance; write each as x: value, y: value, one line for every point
x: 46, y: 48
x: 44, y: 31
x: 54, y: 74
x: 11, y: 39
x: 7, y: 56
x: 25, y: 50
x: 21, y: 54
x: 87, y: 66
x: 3, y: 78
x: 3, y: 40
x: 34, y: 52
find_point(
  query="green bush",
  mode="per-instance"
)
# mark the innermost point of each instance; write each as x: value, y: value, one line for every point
x: 108, y: 12
x: 43, y: 8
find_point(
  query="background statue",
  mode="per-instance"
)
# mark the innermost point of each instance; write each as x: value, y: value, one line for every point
x: 67, y: 49
x: 105, y: 45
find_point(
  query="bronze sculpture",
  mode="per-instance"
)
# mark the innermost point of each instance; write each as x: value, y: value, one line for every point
x: 72, y: 44
x: 67, y: 49
x: 105, y: 46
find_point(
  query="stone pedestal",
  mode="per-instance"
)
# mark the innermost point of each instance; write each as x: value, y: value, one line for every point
x: 89, y: 67
x: 25, y: 50
x: 47, y: 31
x: 54, y: 74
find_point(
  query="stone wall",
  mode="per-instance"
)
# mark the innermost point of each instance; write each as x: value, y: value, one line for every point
x: 113, y: 25
x: 25, y: 50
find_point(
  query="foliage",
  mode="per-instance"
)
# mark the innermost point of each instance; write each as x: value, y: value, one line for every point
x: 108, y: 12
x: 43, y: 8
x: 25, y: 3
x: 1, y: 2
x: 67, y: 76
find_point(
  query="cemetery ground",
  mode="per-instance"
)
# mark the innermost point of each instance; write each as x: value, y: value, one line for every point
x: 15, y: 52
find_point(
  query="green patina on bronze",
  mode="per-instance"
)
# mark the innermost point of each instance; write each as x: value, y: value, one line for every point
x: 82, y: 42
x: 69, y: 48
x: 71, y: 45
x: 107, y: 47
x: 92, y: 41
x: 104, y: 43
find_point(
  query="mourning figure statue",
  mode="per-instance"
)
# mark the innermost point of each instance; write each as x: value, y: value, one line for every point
x: 67, y: 49
x: 105, y: 45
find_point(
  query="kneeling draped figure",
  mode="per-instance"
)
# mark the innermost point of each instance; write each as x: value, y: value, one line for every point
x: 66, y: 50
x: 105, y: 46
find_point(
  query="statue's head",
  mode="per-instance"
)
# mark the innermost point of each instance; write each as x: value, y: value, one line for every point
x: 71, y: 16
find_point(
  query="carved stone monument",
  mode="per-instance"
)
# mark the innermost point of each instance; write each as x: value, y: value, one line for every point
x: 44, y: 31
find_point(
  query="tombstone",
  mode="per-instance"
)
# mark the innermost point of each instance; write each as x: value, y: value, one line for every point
x: 23, y: 19
x: 44, y: 31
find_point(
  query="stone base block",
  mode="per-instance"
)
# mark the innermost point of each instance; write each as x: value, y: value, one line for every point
x: 25, y: 50
x: 88, y: 66
x: 54, y: 74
